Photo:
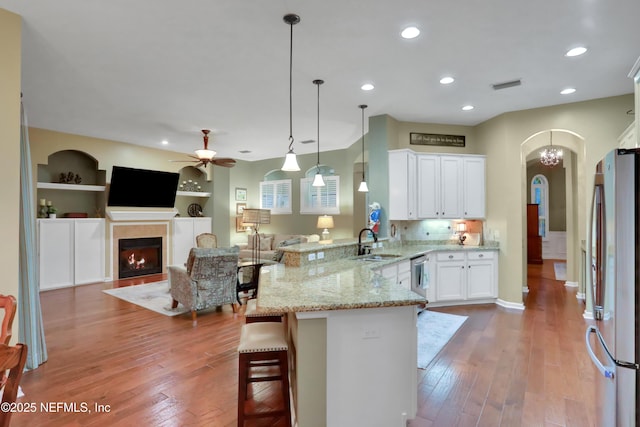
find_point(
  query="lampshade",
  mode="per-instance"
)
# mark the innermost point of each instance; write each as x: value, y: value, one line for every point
x: 461, y: 227
x: 325, y: 221
x: 290, y: 161
x: 256, y: 216
x: 363, y: 187
x: 205, y: 154
x: 318, y: 181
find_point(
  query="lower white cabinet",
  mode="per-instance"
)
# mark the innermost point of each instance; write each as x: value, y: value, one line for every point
x: 70, y: 252
x: 400, y: 272
x: 465, y: 276
x: 183, y: 236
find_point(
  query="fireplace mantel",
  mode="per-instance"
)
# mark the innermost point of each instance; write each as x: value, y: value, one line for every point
x: 141, y: 215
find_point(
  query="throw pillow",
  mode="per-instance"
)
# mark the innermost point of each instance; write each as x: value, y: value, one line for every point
x: 265, y: 243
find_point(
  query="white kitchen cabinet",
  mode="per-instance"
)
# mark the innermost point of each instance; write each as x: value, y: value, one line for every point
x: 402, y: 185
x: 399, y: 272
x: 450, y: 276
x: 70, y: 252
x: 481, y: 275
x: 473, y: 188
x: 183, y: 236
x: 428, y: 187
x: 450, y: 186
x: 464, y: 277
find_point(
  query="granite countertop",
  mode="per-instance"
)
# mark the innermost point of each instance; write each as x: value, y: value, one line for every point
x: 345, y: 284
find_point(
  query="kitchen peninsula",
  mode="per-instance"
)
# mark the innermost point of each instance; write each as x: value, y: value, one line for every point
x: 353, y: 335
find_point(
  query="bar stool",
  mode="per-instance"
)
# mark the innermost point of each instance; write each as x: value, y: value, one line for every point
x: 263, y: 344
x: 252, y: 315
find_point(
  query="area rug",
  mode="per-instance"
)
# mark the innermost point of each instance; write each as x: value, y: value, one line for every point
x: 434, y: 332
x: 152, y: 296
x: 560, y: 269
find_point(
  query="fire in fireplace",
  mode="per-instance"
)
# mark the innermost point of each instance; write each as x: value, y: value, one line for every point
x: 139, y: 256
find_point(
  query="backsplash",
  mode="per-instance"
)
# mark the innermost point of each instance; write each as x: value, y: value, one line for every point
x: 437, y: 231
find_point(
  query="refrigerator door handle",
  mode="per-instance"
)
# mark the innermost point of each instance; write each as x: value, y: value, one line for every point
x: 606, y: 371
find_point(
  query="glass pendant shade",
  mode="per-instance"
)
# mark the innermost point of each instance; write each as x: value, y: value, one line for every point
x: 363, y: 184
x: 363, y: 187
x: 205, y: 154
x: 290, y: 162
x: 318, y: 181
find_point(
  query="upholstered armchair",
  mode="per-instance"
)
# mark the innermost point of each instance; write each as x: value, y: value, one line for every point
x: 208, y: 280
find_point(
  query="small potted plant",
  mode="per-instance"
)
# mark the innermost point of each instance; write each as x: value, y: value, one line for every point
x: 51, y: 211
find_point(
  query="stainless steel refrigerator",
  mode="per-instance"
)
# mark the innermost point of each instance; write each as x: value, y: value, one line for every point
x: 613, y: 250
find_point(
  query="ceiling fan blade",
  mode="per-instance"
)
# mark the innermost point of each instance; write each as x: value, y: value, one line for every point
x: 183, y: 161
x: 224, y: 161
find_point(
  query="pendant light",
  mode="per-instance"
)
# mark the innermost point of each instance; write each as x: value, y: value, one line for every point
x: 318, y: 181
x: 290, y: 161
x: 550, y: 156
x: 363, y: 184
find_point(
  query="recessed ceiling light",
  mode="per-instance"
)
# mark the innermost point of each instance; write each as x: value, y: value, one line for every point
x: 567, y: 91
x: 410, y: 33
x: 576, y: 51
x: 447, y: 80
x: 367, y: 86
x: 467, y: 107
x: 165, y: 142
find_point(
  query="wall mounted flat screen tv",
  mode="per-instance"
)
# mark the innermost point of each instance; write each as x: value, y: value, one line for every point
x: 142, y: 188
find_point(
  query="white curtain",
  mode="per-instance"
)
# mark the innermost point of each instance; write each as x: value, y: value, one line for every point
x: 30, y: 314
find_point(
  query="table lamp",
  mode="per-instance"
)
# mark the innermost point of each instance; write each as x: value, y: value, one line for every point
x: 326, y: 222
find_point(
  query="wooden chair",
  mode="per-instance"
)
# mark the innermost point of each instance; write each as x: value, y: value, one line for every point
x: 207, y: 240
x: 8, y: 302
x: 13, y: 359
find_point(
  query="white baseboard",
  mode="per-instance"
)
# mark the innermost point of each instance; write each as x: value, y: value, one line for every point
x: 525, y: 289
x: 511, y: 305
x: 580, y: 295
x: 587, y: 315
x: 571, y: 284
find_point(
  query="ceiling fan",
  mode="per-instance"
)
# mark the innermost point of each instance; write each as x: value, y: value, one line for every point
x: 205, y: 156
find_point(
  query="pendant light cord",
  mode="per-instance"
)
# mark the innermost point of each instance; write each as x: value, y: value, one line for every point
x: 291, y: 88
x: 318, y: 83
x: 362, y: 107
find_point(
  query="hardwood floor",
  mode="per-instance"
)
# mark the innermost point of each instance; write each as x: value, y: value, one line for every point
x: 503, y: 368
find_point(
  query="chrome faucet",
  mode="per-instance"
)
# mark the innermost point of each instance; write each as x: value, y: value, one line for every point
x: 362, y: 248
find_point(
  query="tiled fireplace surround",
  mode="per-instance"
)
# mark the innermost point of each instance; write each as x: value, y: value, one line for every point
x: 133, y: 230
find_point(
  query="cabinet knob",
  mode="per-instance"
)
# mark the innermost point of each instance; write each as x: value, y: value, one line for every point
x: 480, y: 256
x: 465, y: 213
x: 450, y: 256
x: 462, y: 266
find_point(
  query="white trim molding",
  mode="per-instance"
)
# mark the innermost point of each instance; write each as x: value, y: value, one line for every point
x: 510, y: 305
x: 580, y: 295
x: 571, y: 284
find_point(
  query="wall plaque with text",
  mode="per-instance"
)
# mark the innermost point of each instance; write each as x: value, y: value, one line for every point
x: 436, y: 139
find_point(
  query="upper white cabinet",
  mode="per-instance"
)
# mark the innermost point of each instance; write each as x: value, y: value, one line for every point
x: 183, y: 236
x: 448, y: 186
x: 402, y: 185
x: 70, y: 252
x: 473, y: 187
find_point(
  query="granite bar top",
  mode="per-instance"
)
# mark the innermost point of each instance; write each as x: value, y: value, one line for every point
x: 348, y: 283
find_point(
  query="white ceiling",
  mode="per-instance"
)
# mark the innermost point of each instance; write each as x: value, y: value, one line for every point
x: 147, y: 70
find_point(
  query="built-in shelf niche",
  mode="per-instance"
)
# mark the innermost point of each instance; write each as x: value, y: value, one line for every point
x: 88, y: 196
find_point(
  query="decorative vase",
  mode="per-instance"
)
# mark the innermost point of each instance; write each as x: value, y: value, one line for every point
x: 52, y: 215
x: 42, y: 213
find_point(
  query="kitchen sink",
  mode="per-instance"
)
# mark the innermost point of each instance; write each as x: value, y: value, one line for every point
x: 376, y: 257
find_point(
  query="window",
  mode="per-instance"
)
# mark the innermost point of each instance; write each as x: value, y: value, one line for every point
x: 320, y: 200
x: 276, y: 195
x: 540, y: 196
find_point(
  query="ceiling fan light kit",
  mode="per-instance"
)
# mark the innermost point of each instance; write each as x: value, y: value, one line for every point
x: 204, y: 156
x: 291, y: 162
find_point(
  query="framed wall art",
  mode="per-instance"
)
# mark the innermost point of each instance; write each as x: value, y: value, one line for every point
x: 240, y: 208
x: 241, y: 194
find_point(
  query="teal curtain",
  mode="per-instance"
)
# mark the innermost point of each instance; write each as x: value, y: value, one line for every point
x: 30, y: 314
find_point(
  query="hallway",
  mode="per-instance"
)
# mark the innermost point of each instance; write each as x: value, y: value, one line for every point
x: 509, y: 368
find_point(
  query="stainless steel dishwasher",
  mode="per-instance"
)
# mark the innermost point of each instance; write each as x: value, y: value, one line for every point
x: 419, y: 275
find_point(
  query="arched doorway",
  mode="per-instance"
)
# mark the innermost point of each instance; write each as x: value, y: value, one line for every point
x: 567, y: 211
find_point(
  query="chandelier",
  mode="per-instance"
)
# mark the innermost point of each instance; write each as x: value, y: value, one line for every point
x: 550, y: 156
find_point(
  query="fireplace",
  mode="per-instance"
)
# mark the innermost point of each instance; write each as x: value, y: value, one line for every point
x: 139, y: 256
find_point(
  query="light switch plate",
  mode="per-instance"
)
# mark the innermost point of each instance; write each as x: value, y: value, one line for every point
x: 312, y: 256
x: 320, y: 255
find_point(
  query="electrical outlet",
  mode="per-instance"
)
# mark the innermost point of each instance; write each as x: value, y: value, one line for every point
x: 320, y: 255
x: 374, y: 245
x: 379, y: 244
x: 312, y: 256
